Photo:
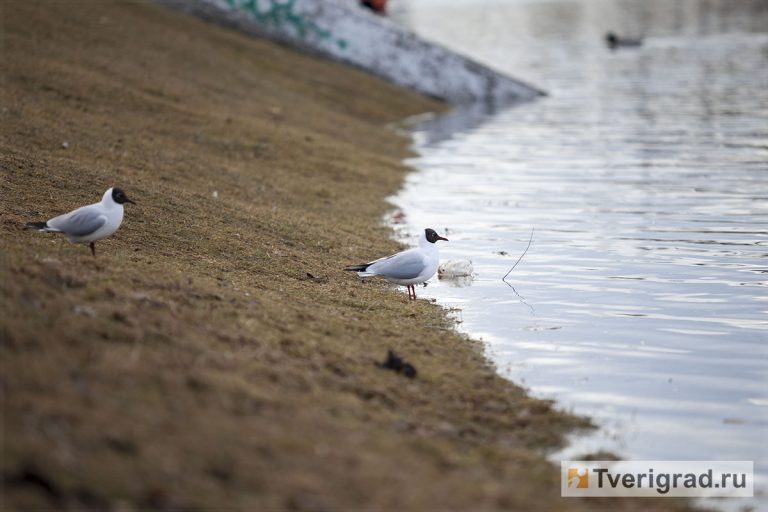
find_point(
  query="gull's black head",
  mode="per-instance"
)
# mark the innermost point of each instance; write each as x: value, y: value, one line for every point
x: 119, y: 196
x: 611, y: 39
x: 432, y: 236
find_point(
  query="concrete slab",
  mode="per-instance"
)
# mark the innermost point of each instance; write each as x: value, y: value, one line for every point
x: 344, y: 31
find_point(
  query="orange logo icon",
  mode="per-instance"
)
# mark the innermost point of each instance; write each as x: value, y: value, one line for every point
x: 578, y: 478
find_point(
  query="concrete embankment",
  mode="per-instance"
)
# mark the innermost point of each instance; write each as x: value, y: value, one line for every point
x: 214, y: 355
x: 341, y: 30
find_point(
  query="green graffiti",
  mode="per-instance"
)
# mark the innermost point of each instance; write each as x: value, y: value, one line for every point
x: 281, y: 14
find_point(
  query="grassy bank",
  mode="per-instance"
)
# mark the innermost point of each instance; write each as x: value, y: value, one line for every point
x: 214, y: 355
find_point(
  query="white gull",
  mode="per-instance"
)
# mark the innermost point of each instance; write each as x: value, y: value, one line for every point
x: 406, y: 268
x: 89, y: 224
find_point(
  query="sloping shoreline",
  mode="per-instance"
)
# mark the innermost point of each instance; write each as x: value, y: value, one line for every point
x: 215, y: 354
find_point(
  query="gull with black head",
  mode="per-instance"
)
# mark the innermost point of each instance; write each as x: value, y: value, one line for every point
x: 406, y: 268
x: 89, y: 224
x: 615, y: 42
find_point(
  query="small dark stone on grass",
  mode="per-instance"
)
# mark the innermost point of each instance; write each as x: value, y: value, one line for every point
x: 397, y: 364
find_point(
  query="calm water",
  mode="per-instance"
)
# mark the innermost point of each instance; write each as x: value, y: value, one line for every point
x: 643, y: 300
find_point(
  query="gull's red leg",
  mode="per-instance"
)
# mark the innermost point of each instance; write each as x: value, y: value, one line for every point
x: 93, y: 248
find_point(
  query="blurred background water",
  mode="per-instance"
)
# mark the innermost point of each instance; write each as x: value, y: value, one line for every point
x: 643, y: 301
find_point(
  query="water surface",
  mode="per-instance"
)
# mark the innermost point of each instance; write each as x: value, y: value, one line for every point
x: 643, y: 300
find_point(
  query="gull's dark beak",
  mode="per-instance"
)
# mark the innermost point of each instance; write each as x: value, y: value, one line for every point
x: 129, y: 201
x: 442, y: 238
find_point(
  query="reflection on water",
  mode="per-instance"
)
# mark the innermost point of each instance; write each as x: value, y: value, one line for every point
x: 643, y: 299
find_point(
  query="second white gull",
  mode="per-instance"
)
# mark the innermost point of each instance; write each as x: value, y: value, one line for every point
x: 406, y: 268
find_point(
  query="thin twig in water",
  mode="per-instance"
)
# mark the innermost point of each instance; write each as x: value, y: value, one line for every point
x: 504, y: 279
x: 522, y: 299
x: 521, y: 256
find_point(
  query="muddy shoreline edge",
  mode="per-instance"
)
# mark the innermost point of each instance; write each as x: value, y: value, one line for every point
x: 215, y: 354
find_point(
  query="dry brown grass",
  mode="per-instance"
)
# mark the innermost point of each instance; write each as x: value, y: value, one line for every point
x: 194, y: 364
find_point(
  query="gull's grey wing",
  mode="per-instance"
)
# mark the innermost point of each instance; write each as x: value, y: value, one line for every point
x: 403, y: 265
x: 80, y: 222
